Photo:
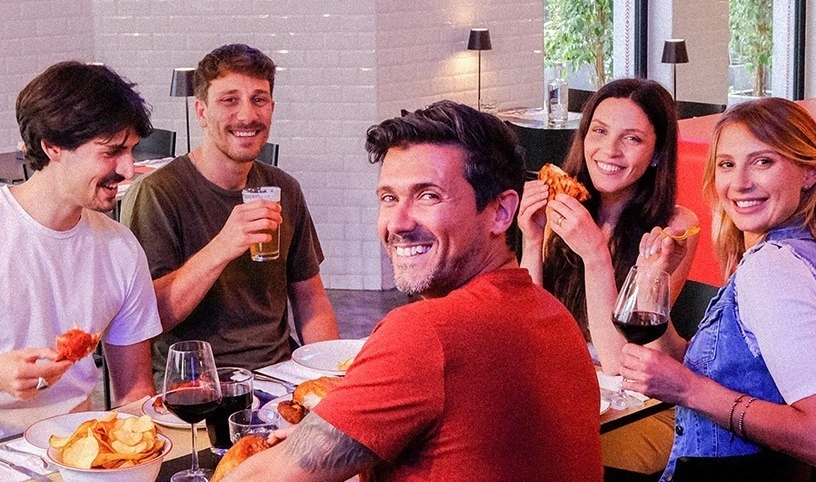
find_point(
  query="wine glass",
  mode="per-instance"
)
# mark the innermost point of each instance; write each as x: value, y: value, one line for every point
x: 641, y: 315
x: 191, y: 392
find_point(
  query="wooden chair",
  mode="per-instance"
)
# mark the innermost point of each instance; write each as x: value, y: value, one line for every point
x: 690, y: 306
x: 159, y: 144
x: 269, y: 154
x: 687, y: 109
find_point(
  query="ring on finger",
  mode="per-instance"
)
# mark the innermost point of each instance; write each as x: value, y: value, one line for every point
x: 41, y: 383
x: 559, y: 220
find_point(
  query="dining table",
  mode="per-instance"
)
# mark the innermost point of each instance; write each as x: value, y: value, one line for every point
x: 269, y: 390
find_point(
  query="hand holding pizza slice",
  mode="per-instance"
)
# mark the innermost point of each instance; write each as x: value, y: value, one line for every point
x: 76, y: 344
x: 561, y: 182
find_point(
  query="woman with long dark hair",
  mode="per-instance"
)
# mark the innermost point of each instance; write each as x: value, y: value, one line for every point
x: 625, y: 153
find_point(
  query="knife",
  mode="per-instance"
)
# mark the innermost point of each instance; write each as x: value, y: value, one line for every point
x: 24, y: 470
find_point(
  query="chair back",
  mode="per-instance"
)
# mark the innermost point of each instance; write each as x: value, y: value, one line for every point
x: 159, y: 144
x: 269, y: 154
x: 765, y: 466
x: 690, y: 307
x: 543, y: 146
x: 687, y: 109
x: 577, y: 98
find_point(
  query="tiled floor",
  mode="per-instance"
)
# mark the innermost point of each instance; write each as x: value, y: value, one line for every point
x: 357, y: 312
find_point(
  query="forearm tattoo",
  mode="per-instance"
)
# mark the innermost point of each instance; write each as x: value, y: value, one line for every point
x: 318, y: 446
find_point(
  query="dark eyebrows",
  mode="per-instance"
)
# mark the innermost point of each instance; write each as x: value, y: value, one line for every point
x: 414, y: 188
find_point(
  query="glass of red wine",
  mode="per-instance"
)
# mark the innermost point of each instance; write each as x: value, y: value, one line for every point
x: 236, y: 394
x: 191, y: 392
x: 641, y: 315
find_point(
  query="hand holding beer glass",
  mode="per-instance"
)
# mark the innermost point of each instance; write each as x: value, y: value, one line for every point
x: 271, y: 250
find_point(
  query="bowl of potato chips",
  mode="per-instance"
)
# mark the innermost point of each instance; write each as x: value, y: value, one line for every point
x: 112, y: 448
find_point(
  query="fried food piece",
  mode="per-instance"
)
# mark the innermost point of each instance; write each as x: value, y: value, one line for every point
x: 292, y: 411
x: 561, y: 182
x: 76, y: 344
x: 158, y: 405
x: 243, y: 449
x: 305, y: 397
x: 310, y: 393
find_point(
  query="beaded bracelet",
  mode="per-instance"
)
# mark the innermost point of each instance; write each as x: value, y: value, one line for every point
x: 731, y: 414
x: 740, y: 427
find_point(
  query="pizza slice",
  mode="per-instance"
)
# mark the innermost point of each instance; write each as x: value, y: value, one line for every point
x: 76, y: 344
x: 561, y: 182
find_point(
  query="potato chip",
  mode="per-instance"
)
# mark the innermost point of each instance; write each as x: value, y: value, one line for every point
x: 109, y: 443
x: 82, y: 452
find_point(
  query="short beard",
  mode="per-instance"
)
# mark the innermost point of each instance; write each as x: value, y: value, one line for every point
x: 412, y: 286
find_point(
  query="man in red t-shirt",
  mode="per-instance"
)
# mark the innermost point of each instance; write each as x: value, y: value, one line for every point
x: 488, y: 378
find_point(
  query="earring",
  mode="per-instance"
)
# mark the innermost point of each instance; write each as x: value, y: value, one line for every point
x: 654, y: 162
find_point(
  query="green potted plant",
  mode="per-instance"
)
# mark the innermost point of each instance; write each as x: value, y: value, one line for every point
x: 751, y: 44
x: 579, y: 32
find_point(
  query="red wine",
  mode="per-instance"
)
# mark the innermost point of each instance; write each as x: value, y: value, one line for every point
x: 217, y: 426
x: 191, y: 404
x: 642, y: 326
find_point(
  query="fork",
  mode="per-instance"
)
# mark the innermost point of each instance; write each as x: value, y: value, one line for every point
x: 679, y: 237
x: 45, y: 464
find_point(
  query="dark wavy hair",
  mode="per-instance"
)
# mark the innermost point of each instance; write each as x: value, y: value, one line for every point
x: 652, y: 203
x: 494, y: 161
x: 235, y: 58
x: 72, y: 103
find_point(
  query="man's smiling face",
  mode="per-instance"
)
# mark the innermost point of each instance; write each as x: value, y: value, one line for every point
x: 428, y: 220
x: 236, y: 115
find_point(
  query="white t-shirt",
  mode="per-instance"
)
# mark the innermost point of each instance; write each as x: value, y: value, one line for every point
x: 94, y: 275
x: 776, y: 294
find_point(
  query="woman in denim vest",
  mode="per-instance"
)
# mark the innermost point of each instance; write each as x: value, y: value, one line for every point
x: 748, y: 378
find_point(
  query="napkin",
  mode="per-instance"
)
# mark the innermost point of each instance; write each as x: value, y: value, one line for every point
x: 273, y: 389
x: 613, y: 383
x: 291, y: 372
x: 26, y: 461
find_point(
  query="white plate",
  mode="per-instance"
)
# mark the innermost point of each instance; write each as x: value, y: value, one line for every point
x: 61, y: 425
x: 326, y: 355
x: 170, y: 420
x: 605, y: 404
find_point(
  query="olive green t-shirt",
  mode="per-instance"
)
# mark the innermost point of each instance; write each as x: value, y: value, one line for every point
x: 174, y: 212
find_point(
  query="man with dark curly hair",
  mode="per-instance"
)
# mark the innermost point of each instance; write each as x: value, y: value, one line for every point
x: 63, y: 263
x: 487, y: 377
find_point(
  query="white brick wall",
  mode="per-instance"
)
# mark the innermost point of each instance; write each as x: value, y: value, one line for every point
x: 34, y: 35
x: 344, y: 65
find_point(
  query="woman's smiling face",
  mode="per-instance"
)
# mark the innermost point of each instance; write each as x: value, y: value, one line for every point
x: 618, y: 146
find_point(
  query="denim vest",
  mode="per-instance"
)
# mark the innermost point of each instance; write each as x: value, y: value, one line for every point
x: 720, y: 351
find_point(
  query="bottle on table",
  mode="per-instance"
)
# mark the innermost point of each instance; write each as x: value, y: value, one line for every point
x: 557, y: 95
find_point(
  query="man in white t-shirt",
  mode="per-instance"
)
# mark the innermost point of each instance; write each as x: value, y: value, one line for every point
x: 62, y: 261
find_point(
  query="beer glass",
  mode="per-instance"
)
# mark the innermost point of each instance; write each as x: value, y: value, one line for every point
x: 271, y: 250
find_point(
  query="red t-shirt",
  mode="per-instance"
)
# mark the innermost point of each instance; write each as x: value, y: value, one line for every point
x: 492, y: 382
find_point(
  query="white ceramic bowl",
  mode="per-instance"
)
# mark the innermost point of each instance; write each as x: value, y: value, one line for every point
x: 145, y: 472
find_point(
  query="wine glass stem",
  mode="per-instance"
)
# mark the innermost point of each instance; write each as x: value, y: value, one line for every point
x: 195, y: 452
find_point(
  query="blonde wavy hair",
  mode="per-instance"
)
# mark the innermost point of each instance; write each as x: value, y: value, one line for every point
x: 788, y: 129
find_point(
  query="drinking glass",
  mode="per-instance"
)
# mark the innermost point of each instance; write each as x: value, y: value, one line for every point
x: 191, y: 391
x: 641, y: 315
x: 236, y: 394
x: 270, y: 250
x: 253, y: 422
